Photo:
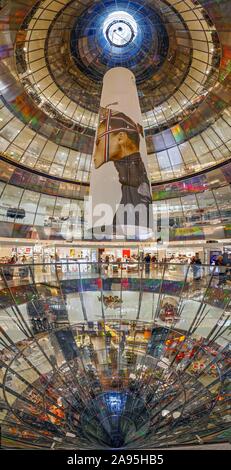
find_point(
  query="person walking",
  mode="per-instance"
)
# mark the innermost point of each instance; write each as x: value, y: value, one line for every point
x: 107, y: 262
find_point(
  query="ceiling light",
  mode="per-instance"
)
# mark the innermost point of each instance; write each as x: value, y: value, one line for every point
x: 120, y: 28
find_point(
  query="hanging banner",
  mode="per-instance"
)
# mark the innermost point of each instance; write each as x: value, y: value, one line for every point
x: 119, y: 187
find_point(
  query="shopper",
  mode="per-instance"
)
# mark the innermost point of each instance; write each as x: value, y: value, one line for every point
x: 196, y: 267
x: 154, y: 261
x: 52, y: 260
x: 147, y: 260
x: 107, y: 262
x: 221, y: 262
x: 9, y: 270
x: 23, y: 270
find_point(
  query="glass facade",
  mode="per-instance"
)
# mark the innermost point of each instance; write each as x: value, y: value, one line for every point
x: 51, y: 99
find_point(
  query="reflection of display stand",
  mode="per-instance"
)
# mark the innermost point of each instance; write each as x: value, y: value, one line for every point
x: 110, y: 301
x: 72, y: 265
x: 169, y: 310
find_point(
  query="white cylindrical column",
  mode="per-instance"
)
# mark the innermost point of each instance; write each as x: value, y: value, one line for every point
x: 119, y: 185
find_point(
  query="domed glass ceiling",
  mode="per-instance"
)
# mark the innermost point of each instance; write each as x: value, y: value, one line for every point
x: 51, y: 92
x: 135, y: 38
x: 120, y: 28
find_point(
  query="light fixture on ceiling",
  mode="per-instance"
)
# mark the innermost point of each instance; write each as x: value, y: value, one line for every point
x: 120, y: 28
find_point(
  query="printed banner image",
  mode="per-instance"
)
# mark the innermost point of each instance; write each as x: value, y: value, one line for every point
x: 118, y: 141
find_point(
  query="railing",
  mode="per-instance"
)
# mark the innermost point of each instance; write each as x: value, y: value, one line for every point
x: 110, y: 268
x: 179, y: 276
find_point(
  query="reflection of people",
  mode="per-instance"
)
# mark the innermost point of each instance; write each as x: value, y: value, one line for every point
x: 118, y: 140
x: 9, y: 271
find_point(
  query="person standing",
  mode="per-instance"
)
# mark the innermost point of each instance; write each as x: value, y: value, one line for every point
x: 196, y: 267
x: 23, y: 270
x: 154, y: 259
x: 221, y: 263
x: 52, y: 264
x: 147, y: 260
x: 107, y: 262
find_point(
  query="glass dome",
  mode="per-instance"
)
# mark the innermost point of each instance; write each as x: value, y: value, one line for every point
x: 50, y: 98
x: 120, y: 28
